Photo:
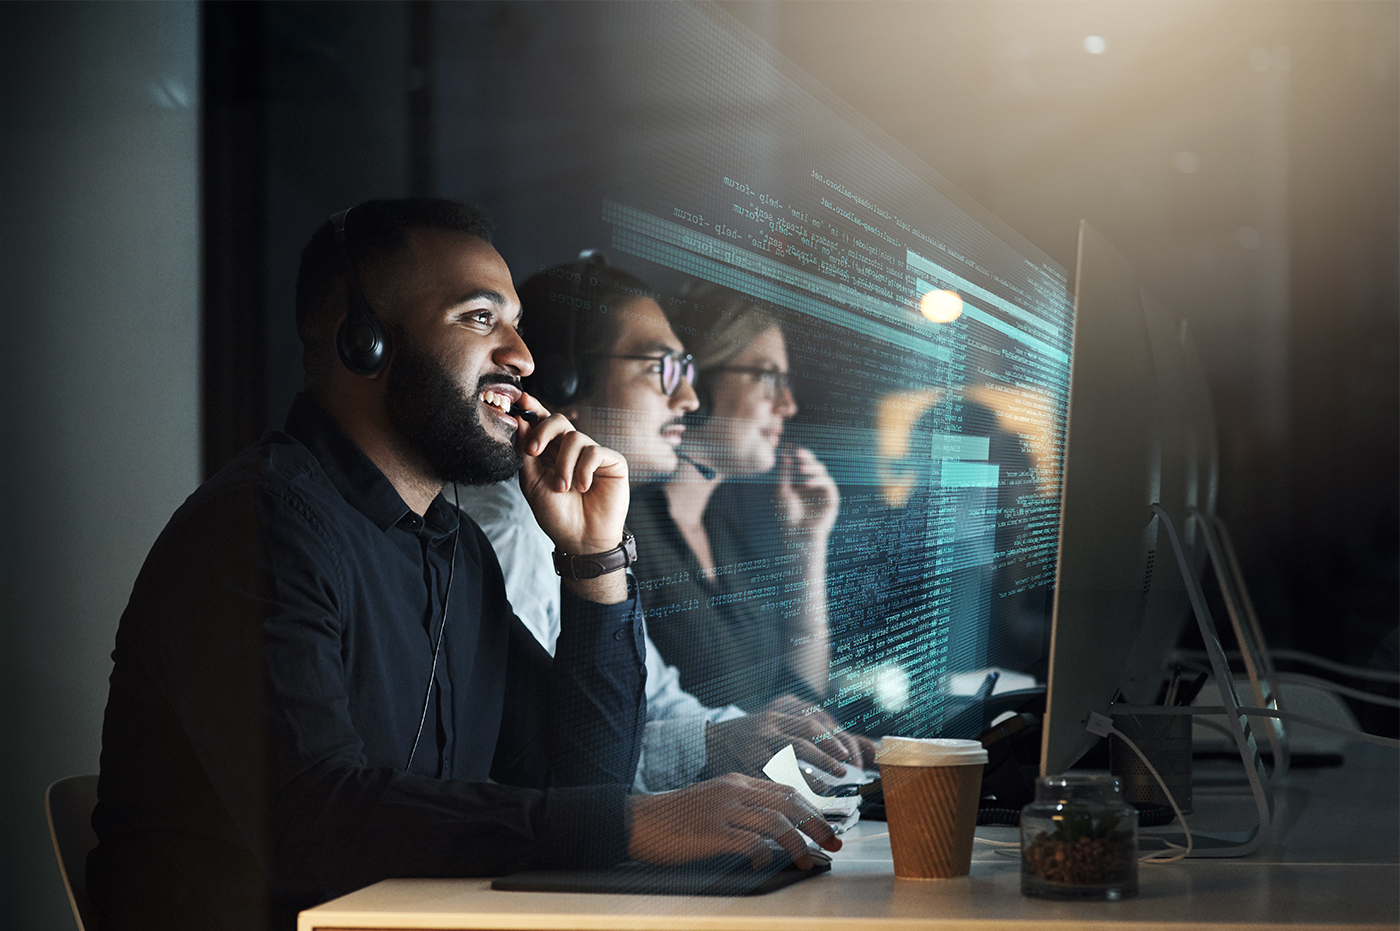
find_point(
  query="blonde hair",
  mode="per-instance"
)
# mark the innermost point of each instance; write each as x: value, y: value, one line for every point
x: 716, y: 324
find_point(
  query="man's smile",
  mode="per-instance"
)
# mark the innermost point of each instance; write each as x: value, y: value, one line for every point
x: 500, y: 396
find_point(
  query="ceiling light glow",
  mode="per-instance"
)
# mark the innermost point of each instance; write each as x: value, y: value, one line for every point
x: 1095, y: 45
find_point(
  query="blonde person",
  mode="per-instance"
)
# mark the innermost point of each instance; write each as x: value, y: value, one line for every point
x: 736, y: 595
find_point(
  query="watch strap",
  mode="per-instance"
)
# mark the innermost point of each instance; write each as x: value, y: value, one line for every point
x: 596, y: 564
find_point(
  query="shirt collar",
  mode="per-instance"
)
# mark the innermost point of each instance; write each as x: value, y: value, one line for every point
x: 355, y: 475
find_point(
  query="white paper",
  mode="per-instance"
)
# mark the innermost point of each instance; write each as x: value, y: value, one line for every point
x: 782, y: 769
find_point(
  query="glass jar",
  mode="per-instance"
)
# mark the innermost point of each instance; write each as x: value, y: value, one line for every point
x: 1079, y: 840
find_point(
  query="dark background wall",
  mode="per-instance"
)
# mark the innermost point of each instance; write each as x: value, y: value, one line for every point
x: 99, y: 300
x: 1243, y: 156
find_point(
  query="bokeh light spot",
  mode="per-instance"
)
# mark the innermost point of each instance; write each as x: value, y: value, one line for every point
x: 1095, y: 45
x: 941, y: 306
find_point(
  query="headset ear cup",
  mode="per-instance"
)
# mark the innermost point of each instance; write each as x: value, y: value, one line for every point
x: 362, y: 343
x: 558, y: 380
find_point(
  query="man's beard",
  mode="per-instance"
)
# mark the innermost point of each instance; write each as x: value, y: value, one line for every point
x: 441, y: 423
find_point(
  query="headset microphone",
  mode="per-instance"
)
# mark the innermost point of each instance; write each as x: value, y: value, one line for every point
x: 707, y: 473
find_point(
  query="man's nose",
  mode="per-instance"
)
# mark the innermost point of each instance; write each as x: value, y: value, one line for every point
x: 512, y: 353
x: 684, y: 399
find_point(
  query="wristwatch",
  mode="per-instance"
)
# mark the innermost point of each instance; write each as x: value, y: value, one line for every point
x: 596, y: 564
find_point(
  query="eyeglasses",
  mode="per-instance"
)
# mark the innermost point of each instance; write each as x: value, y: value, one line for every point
x: 674, y: 368
x: 773, y: 381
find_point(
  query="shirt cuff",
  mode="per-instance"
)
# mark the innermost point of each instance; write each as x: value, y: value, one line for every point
x: 584, y: 828
x: 582, y: 620
x: 673, y: 749
x: 673, y: 753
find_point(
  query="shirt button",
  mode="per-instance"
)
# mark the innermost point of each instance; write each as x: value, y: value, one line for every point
x: 617, y: 635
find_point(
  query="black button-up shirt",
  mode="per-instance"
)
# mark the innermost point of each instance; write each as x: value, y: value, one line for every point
x: 270, y: 675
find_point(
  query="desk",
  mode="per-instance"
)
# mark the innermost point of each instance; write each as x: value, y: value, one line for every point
x: 1334, y: 862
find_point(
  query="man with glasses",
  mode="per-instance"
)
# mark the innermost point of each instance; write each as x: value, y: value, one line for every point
x: 319, y: 682
x: 608, y: 360
x: 737, y: 540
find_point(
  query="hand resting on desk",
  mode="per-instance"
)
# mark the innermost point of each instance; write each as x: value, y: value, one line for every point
x: 730, y: 814
x: 744, y: 745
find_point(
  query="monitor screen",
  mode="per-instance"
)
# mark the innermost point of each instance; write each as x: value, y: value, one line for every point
x: 927, y: 344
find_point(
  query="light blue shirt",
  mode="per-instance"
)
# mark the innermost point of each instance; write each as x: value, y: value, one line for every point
x: 673, y: 745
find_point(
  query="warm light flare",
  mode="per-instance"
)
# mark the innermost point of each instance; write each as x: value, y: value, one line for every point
x: 941, y: 306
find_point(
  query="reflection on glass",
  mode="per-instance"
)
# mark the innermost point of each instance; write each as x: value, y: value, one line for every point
x: 931, y: 554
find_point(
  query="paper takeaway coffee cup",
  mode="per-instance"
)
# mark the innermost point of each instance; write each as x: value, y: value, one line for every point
x: 931, y: 788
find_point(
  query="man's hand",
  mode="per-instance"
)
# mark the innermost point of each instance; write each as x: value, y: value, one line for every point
x: 806, y: 494
x: 745, y: 744
x: 731, y: 814
x: 577, y: 490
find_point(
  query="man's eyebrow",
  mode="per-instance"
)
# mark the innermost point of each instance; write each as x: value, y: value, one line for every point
x: 495, y: 297
x: 657, y: 347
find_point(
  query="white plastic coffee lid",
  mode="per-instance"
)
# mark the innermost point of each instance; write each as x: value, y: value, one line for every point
x: 929, y: 751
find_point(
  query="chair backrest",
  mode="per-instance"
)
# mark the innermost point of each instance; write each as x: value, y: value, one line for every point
x: 68, y: 804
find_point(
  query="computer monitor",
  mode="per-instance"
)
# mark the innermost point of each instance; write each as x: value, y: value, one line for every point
x: 1112, y: 477
x: 1168, y: 608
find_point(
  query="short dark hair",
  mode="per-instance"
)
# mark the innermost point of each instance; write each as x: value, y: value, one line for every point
x: 375, y: 231
x: 570, y: 320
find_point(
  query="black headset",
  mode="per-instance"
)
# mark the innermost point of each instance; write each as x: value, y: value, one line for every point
x: 362, y: 341
x: 560, y: 373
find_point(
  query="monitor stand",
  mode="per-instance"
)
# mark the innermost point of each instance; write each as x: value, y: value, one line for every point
x: 1249, y: 635
x: 1231, y: 844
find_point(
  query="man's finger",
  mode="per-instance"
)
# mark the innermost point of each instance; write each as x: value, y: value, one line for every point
x: 749, y: 844
x: 770, y: 823
x: 567, y: 449
x: 848, y: 742
x: 597, y: 461
x: 806, y: 750
x: 807, y: 819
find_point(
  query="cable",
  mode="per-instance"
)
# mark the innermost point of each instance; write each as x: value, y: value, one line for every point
x: 1326, y: 685
x: 437, y: 644
x: 1356, y: 672
x: 1307, y: 659
x: 1101, y: 726
x: 1260, y: 713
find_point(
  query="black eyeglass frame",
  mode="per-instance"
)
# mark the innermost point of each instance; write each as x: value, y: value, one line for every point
x: 682, y: 367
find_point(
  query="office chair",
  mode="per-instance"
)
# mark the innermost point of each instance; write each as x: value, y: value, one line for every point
x: 68, y: 803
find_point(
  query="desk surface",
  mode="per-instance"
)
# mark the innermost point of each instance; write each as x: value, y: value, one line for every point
x: 1334, y: 862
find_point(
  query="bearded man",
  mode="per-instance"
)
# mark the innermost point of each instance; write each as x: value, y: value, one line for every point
x: 318, y: 680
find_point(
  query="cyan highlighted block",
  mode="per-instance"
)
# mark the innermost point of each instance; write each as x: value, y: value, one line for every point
x: 969, y: 474
x: 951, y: 446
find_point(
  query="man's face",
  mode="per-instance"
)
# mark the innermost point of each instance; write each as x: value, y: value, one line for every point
x: 629, y: 412
x: 457, y: 359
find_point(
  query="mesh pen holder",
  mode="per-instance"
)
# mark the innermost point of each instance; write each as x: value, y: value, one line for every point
x: 1164, y: 739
